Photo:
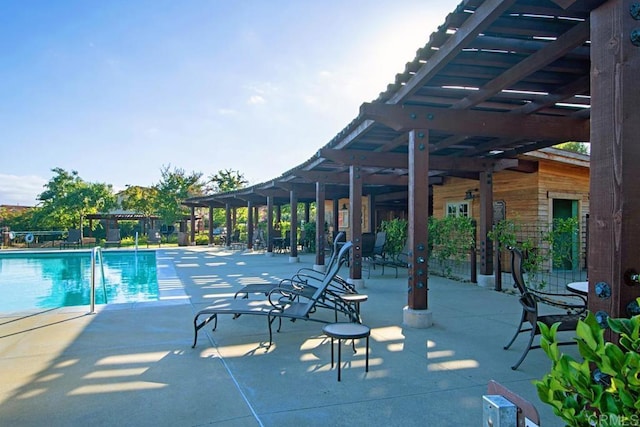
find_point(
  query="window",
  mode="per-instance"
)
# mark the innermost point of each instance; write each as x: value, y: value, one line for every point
x: 458, y: 209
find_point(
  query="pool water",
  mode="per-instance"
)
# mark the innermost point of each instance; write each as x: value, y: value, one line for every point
x: 51, y: 280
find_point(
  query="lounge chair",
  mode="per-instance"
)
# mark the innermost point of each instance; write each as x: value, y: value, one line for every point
x: 368, y: 251
x: 400, y: 260
x: 73, y: 239
x: 154, y: 237
x: 113, y: 237
x: 294, y: 301
x: 303, y: 274
x: 572, y: 308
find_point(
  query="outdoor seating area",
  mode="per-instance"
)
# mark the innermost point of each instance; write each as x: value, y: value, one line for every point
x: 139, y: 356
x: 294, y: 299
x: 495, y: 157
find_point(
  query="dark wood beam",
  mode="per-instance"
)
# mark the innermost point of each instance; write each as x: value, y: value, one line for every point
x: 564, y: 44
x: 399, y: 160
x: 564, y: 3
x: 343, y: 178
x: 578, y: 86
x: 483, y: 16
x: 478, y: 123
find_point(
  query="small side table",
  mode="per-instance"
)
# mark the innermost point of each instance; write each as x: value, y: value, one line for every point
x: 347, y: 331
x: 355, y: 299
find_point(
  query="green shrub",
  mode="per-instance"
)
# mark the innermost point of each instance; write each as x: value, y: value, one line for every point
x: 450, y: 239
x: 202, y: 239
x: 309, y: 229
x: 604, y: 388
x: 396, y: 230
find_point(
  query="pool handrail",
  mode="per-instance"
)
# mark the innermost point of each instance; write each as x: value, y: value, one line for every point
x: 97, y: 250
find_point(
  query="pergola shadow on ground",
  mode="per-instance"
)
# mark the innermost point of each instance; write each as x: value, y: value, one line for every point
x: 133, y: 364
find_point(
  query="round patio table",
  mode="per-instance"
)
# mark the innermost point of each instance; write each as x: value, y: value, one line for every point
x: 581, y: 288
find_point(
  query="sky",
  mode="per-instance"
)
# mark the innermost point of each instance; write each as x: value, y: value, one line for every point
x: 117, y: 90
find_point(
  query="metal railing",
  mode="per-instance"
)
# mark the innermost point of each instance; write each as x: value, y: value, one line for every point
x: 96, y: 253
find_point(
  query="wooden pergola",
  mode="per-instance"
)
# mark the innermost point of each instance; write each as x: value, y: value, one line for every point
x: 499, y: 78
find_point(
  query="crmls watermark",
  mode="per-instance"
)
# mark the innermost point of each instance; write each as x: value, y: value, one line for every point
x: 614, y: 420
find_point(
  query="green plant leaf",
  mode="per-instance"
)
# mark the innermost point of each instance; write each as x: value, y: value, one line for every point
x: 585, y: 332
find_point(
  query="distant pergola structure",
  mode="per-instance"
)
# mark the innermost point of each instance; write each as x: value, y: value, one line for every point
x: 497, y: 79
x: 113, y: 218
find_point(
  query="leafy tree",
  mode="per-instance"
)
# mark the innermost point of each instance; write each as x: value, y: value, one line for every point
x: 142, y: 200
x: 67, y: 199
x: 576, y: 147
x: 18, y: 220
x: 174, y: 187
x: 225, y: 180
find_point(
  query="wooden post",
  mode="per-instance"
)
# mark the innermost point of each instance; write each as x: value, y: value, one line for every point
x: 210, y: 225
x: 486, y: 221
x: 355, y: 221
x: 321, y: 238
x: 270, y: 225
x: 336, y: 207
x: 229, y: 225
x: 418, y: 217
x: 249, y: 225
x: 193, y: 225
x: 372, y: 213
x: 614, y: 230
x: 293, y: 241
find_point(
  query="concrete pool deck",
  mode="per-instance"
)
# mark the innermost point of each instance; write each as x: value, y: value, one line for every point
x: 132, y: 364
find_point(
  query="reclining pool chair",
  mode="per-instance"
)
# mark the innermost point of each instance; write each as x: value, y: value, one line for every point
x: 154, y: 237
x: 113, y: 238
x: 74, y: 239
x: 571, y: 308
x: 297, y: 301
x: 303, y: 274
x: 400, y: 260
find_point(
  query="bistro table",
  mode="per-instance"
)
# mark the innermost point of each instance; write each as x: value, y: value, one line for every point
x: 580, y: 288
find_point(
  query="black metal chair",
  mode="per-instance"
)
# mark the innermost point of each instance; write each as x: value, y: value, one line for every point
x: 368, y: 251
x: 573, y: 307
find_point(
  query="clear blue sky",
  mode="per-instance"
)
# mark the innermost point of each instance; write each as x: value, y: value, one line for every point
x: 116, y: 89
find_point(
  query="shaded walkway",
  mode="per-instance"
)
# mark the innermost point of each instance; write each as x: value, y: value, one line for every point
x: 132, y: 364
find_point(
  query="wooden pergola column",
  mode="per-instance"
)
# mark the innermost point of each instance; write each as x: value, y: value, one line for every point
x: 293, y: 240
x: 372, y: 213
x: 249, y: 225
x: 614, y: 220
x: 485, y: 225
x: 269, y: 226
x: 229, y: 225
x: 193, y: 225
x: 321, y: 238
x: 210, y: 235
x: 335, y: 213
x: 416, y: 314
x: 355, y: 224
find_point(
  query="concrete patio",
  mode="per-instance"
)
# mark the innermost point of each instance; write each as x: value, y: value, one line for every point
x: 132, y: 364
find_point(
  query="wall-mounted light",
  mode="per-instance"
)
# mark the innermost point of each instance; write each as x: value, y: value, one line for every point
x: 470, y: 194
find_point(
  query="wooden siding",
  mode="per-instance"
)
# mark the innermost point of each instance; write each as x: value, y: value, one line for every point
x: 527, y: 196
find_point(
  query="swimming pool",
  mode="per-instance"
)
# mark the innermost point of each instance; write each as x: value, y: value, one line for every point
x: 62, y: 279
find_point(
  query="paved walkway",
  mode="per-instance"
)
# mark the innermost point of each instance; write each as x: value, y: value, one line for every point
x: 132, y: 364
